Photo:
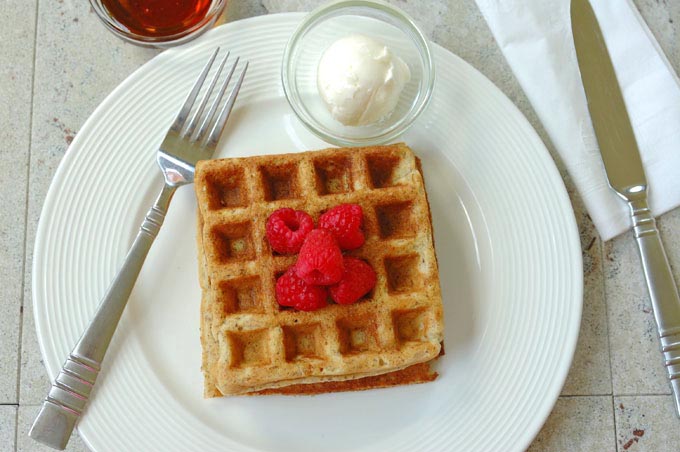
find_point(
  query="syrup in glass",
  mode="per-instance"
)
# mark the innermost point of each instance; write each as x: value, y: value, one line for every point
x: 157, y: 18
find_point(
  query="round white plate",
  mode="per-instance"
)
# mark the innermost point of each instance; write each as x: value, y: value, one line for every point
x: 507, y: 243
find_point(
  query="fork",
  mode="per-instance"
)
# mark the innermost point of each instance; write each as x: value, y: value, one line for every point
x: 186, y: 142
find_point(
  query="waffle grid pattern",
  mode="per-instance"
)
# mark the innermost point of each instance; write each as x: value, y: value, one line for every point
x: 250, y: 342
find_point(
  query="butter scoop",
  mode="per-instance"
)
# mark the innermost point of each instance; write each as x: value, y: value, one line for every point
x: 360, y: 80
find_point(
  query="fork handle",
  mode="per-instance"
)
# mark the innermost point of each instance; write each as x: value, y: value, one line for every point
x: 662, y: 291
x: 71, y: 390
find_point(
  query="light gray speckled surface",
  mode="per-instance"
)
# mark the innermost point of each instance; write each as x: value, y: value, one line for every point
x: 573, y: 418
x: 62, y: 63
x: 15, y: 127
x: 646, y: 424
x: 8, y: 425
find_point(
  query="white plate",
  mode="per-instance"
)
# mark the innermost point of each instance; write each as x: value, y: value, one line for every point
x: 507, y: 243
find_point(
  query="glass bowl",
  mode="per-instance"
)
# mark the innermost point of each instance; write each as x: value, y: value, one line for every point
x: 168, y: 40
x: 327, y: 24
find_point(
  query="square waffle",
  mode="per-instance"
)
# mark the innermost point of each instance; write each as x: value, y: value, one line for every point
x: 253, y: 345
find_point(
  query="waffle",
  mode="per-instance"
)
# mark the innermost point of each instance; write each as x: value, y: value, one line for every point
x: 253, y: 345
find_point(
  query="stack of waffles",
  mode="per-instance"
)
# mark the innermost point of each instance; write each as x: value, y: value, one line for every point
x: 253, y: 345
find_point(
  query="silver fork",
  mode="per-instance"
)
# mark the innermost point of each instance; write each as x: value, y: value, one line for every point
x: 185, y: 143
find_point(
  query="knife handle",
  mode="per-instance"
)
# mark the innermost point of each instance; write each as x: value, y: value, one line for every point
x: 662, y: 290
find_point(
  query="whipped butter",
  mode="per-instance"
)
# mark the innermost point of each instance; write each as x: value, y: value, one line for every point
x: 360, y: 80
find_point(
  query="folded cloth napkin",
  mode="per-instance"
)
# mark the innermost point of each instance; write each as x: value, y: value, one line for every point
x: 535, y: 37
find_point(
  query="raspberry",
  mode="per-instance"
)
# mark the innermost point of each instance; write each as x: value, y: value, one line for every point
x: 357, y: 280
x: 293, y: 291
x: 287, y: 229
x: 320, y: 259
x: 345, y: 222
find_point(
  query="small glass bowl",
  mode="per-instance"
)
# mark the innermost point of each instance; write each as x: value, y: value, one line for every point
x: 186, y: 35
x: 329, y: 23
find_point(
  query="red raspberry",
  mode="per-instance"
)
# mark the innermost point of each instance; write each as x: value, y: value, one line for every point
x: 287, y: 229
x: 345, y: 222
x: 357, y: 280
x: 320, y: 259
x: 294, y: 292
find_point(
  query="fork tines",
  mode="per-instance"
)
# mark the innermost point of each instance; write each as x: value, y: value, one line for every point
x: 191, y: 131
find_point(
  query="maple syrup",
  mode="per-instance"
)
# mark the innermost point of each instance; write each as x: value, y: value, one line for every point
x: 157, y: 18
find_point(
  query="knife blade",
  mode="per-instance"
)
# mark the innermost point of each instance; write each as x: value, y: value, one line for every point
x: 626, y: 176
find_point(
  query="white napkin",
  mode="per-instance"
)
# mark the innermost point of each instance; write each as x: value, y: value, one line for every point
x: 535, y: 37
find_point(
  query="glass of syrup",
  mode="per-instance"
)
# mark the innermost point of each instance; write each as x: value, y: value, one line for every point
x: 158, y: 23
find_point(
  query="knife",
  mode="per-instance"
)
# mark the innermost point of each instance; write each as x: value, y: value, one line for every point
x: 626, y: 176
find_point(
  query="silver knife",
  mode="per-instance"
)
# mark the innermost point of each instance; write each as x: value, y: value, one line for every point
x: 626, y: 176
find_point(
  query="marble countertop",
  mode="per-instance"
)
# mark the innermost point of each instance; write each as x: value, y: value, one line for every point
x: 59, y: 63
